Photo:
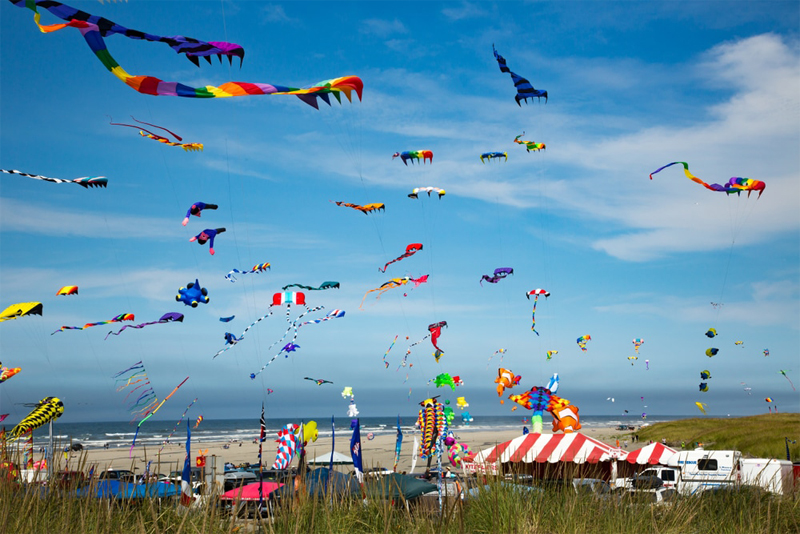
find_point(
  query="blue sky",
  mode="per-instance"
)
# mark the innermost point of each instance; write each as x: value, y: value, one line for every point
x: 632, y: 86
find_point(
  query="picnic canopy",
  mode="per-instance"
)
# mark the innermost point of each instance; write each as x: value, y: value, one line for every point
x: 250, y: 492
x: 654, y: 454
x: 325, y: 459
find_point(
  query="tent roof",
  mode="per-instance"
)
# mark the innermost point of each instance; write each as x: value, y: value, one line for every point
x: 325, y: 459
x: 250, y: 491
x: 393, y: 485
x: 653, y: 454
x: 575, y: 447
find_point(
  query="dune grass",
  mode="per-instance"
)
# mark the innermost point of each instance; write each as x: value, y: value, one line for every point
x: 759, y: 436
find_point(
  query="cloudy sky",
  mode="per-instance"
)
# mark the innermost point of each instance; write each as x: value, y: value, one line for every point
x: 632, y: 86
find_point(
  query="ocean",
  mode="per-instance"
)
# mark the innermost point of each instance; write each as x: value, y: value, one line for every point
x: 117, y: 434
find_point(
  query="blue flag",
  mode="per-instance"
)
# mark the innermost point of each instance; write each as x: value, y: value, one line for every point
x: 186, y: 476
x: 355, y: 449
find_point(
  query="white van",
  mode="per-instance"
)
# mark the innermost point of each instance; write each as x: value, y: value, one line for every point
x: 775, y: 476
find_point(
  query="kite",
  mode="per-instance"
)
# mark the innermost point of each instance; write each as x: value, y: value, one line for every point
x: 290, y: 347
x: 67, y: 290
x: 85, y: 182
x: 647, y: 365
x: 199, y: 420
x: 711, y: 352
x: 632, y: 359
x: 166, y: 441
x: 352, y: 409
x: 536, y: 293
x: 734, y: 185
x: 638, y: 342
x: 436, y: 330
x: 414, y: 155
x: 717, y: 304
x: 739, y: 343
x: 385, y: 363
x: 766, y: 352
x: 582, y: 341
x: 505, y: 380
x: 188, y: 147
x: 287, y: 445
x: 196, y: 209
x: 3, y: 417
x: 499, y: 274
x: 461, y: 402
x: 550, y: 354
x: 524, y: 88
x: 335, y: 314
x: 444, y: 379
x: 493, y: 155
x: 703, y: 387
x: 530, y: 146
x: 348, y: 392
x: 270, y: 391
x: 711, y: 332
x: 411, y: 249
x: 787, y: 377
x: 46, y: 410
x: 138, y: 375
x: 768, y: 399
x: 170, y: 317
x: 8, y: 372
x: 705, y: 374
x: 94, y: 29
x: 226, y: 319
x: 117, y: 319
x: 702, y: 406
x: 258, y: 268
x: 150, y: 413
x: 323, y: 286
x: 417, y: 190
x: 365, y: 209
x: 432, y: 424
x: 466, y: 418
x: 394, y: 282
x: 501, y: 352
x: 319, y: 381
x: 230, y: 339
x: 207, y: 235
x: 458, y: 381
x: 21, y: 309
x: 192, y: 294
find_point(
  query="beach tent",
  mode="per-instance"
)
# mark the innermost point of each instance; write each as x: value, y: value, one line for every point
x: 338, y: 459
x: 119, y: 489
x: 654, y: 454
x: 396, y: 485
x: 552, y: 448
x: 322, y: 480
x: 250, y: 492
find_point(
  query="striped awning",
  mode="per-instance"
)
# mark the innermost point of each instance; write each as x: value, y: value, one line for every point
x: 653, y: 454
x: 575, y: 447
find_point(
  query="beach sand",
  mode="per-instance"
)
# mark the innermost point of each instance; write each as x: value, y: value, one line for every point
x: 378, y: 452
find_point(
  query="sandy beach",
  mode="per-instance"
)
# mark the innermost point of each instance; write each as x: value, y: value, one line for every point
x: 378, y: 452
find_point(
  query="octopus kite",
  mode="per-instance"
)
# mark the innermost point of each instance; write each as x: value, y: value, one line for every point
x: 188, y: 147
x: 368, y: 208
x: 417, y: 190
x: 394, y: 282
x: 258, y: 268
x: 85, y: 182
x: 493, y: 155
x: 524, y: 88
x: 117, y: 319
x: 207, y: 235
x: 196, y: 210
x: 734, y: 185
x: 192, y: 294
x: 530, y: 146
x: 94, y: 29
x: 414, y: 155
x: 536, y: 292
x: 411, y: 249
x: 499, y: 274
x: 166, y: 318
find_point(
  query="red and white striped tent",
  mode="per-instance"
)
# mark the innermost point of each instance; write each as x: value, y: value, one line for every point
x: 575, y: 447
x: 654, y: 454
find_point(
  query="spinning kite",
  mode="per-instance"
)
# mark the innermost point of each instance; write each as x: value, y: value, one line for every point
x: 493, y: 155
x: 536, y: 293
x: 711, y: 332
x: 703, y: 387
x: 46, y: 410
x: 119, y: 318
x: 85, y: 182
x: 705, y: 374
x: 432, y: 424
x: 394, y: 282
x: 363, y: 209
x: 192, y: 294
x: 319, y: 381
x: 196, y: 210
x: 67, y: 290
x: 417, y: 190
x: 323, y: 286
x: 734, y: 185
x: 524, y: 88
x: 188, y: 147
x: 170, y: 317
x: 711, y: 352
x: 411, y: 249
x: 499, y: 274
x: 414, y: 155
x: 530, y: 146
x: 207, y: 235
x: 21, y: 309
x: 94, y: 30
x: 258, y: 268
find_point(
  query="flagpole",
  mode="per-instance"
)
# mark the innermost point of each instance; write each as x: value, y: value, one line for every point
x: 261, y: 438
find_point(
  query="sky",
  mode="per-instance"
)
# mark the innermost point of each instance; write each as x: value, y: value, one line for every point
x: 632, y: 86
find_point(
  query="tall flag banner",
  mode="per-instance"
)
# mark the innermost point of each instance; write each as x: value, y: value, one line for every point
x: 333, y: 441
x: 186, y: 476
x: 261, y: 437
x: 398, y: 445
x: 355, y: 450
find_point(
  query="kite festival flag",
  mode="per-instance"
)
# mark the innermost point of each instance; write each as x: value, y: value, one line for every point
x: 398, y: 444
x: 355, y: 450
x: 186, y: 476
x: 261, y: 437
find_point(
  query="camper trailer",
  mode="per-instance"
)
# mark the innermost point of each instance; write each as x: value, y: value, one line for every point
x: 702, y: 470
x: 775, y: 476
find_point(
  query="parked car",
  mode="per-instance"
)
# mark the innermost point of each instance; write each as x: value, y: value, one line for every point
x: 70, y: 479
x: 593, y: 486
x: 125, y: 475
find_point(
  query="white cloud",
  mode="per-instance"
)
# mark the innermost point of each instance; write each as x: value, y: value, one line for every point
x: 466, y: 10
x: 383, y: 28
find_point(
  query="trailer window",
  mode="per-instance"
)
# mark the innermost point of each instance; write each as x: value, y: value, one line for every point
x: 668, y: 476
x: 706, y: 465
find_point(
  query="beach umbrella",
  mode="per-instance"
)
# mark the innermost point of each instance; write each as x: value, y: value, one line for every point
x: 250, y: 491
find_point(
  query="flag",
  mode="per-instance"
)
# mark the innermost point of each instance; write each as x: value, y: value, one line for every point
x: 355, y: 450
x: 398, y: 445
x: 333, y: 438
x: 262, y: 436
x: 186, y: 477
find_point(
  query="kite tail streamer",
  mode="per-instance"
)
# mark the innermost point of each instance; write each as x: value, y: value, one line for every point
x: 387, y: 352
x: 178, y: 423
x: 533, y: 315
x: 294, y: 326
